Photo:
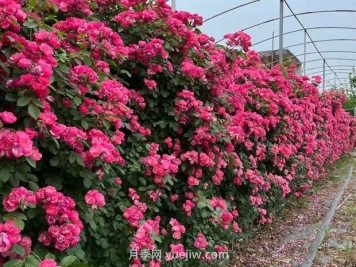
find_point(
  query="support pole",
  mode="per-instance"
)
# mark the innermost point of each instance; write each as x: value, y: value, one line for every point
x: 305, y: 51
x: 281, y: 32
x: 335, y: 80
x: 174, y: 7
x: 272, y: 54
x: 323, y: 75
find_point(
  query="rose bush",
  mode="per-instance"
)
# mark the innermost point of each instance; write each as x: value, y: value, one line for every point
x: 124, y: 128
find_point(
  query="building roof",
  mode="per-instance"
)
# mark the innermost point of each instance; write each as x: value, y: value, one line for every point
x: 286, y: 53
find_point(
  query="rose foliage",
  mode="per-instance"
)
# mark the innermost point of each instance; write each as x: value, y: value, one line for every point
x: 124, y: 128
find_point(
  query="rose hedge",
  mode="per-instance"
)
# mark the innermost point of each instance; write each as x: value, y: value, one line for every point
x: 124, y: 128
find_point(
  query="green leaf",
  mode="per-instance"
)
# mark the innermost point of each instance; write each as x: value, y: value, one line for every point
x: 71, y: 157
x: 13, y: 263
x: 164, y: 93
x: 8, y: 216
x: 122, y: 207
x: 14, y: 180
x: 143, y: 180
x: 22, y: 176
x: 53, y: 149
x: 32, y: 261
x: 67, y: 261
x: 37, y: 102
x: 23, y: 101
x: 4, y: 174
x: 106, y: 124
x: 79, y: 265
x: 32, y: 213
x: 34, y: 111
x: 157, y: 238
x: 50, y: 256
x: 77, y: 100
x: 79, y: 160
x: 85, y: 125
x: 54, y: 6
x: 30, y: 25
x: 11, y: 97
x: 32, y: 177
x: 5, y: 67
x: 79, y: 252
x: 20, y: 223
x: 93, y: 225
x: 18, y: 249
x: 55, y: 141
x: 33, y: 186
x: 87, y: 181
x: 54, y: 161
x: 31, y: 162
x: 20, y: 215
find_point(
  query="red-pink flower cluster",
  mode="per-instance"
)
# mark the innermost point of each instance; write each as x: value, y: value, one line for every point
x: 177, y: 229
x: 96, y: 36
x: 133, y: 215
x: 177, y: 252
x: 9, y: 236
x: 65, y: 225
x: 145, y: 233
x: 193, y: 71
x: 130, y: 17
x: 160, y: 166
x: 11, y: 14
x: 190, y: 103
x: 19, y: 197
x: 145, y: 51
x: 18, y: 144
x: 37, y: 61
x: 201, y: 242
x: 95, y: 199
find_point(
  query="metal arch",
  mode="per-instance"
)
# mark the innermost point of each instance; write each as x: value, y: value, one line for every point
x: 350, y: 52
x: 311, y: 28
x: 298, y: 14
x: 342, y: 71
x: 346, y: 71
x: 302, y: 14
x: 320, y: 41
x: 329, y: 80
x: 306, y: 33
x: 231, y: 9
x: 348, y: 59
x: 351, y: 66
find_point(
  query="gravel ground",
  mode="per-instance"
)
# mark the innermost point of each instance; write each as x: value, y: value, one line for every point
x: 286, y: 241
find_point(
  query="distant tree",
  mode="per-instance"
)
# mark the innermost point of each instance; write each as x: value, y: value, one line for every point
x: 352, y: 81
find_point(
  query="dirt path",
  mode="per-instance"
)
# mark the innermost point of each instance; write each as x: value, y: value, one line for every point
x: 285, y: 242
x: 339, y: 246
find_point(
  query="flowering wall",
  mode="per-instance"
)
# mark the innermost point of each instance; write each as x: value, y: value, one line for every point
x: 124, y: 128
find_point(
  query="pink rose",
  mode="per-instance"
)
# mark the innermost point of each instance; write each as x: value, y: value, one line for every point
x: 8, y: 117
x: 5, y: 243
x: 11, y: 228
x: 45, y: 238
x: 48, y: 263
x: 95, y: 199
x: 118, y: 180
